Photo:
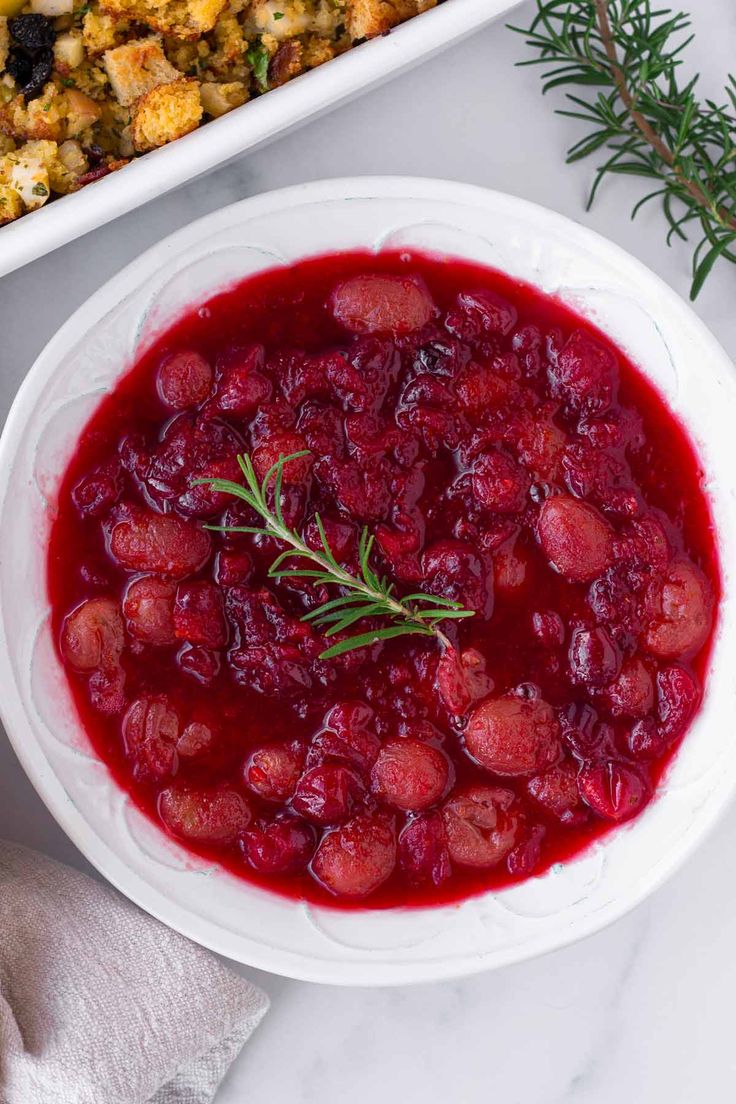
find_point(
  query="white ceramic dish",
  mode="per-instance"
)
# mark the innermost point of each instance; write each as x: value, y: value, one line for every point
x: 256, y: 123
x: 87, y: 356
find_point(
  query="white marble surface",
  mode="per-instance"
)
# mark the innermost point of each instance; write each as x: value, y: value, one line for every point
x: 642, y: 1012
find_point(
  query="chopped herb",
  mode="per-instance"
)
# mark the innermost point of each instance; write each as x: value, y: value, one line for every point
x: 278, y: 15
x: 84, y: 9
x: 40, y: 190
x: 68, y: 82
x: 258, y: 59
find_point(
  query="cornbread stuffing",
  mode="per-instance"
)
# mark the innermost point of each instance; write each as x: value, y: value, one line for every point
x: 87, y: 86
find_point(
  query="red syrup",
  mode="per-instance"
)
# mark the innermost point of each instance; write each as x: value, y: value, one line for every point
x: 505, y: 454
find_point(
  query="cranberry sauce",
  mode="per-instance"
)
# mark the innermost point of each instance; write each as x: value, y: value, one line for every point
x: 504, y: 455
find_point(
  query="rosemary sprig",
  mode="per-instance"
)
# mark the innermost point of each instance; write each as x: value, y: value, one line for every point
x: 368, y: 595
x: 627, y: 55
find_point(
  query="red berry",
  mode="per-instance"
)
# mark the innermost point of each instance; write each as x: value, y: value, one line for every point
x: 423, y: 851
x: 481, y: 823
x: 680, y: 609
x: 513, y: 736
x: 184, y: 379
x: 283, y: 845
x: 199, y: 614
x: 612, y: 790
x: 272, y: 771
x: 354, y: 860
x: 327, y: 794
x: 214, y: 817
x: 148, y: 606
x: 376, y: 303
x: 575, y: 538
x: 162, y: 544
x: 409, y: 774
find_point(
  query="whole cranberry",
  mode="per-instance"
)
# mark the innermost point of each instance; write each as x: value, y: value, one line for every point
x: 327, y: 794
x: 423, y: 851
x: 283, y: 845
x: 594, y: 658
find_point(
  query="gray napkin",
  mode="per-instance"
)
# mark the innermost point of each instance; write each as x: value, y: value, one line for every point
x: 101, y: 1004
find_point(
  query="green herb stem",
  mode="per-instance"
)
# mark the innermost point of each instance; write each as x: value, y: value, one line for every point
x: 626, y: 55
x: 369, y: 595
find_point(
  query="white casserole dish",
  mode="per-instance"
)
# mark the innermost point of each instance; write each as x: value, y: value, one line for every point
x: 313, y: 93
x: 88, y: 355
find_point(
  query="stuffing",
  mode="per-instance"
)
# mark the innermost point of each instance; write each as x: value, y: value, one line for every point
x: 286, y: 63
x: 165, y: 113
x: 11, y: 205
x: 368, y: 18
x: 218, y: 99
x: 101, y: 32
x: 4, y: 41
x: 121, y: 77
x: 184, y: 18
x: 138, y: 68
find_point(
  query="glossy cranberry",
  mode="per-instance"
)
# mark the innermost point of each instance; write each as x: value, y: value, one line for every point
x: 678, y: 696
x: 576, y: 540
x: 184, y: 379
x: 456, y: 571
x: 233, y: 567
x: 488, y: 311
x: 271, y: 669
x: 354, y: 860
x: 423, y: 851
x: 481, y: 823
x: 525, y: 857
x: 199, y: 614
x: 241, y: 385
x: 612, y: 790
x: 478, y: 387
x: 549, y: 628
x: 213, y: 817
x: 196, y: 741
x: 632, y: 693
x: 272, y: 771
x: 273, y: 448
x: 557, y: 792
x: 584, y: 373
x: 92, y: 635
x: 499, y: 483
x: 594, y: 658
x: 283, y: 845
x: 349, y: 735
x: 645, y: 739
x: 462, y: 679
x: 199, y: 663
x: 511, y: 736
x: 680, y: 612
x: 165, y: 545
x: 98, y: 491
x: 382, y: 304
x: 410, y: 775
x: 150, y: 730
x: 148, y: 606
x: 327, y: 794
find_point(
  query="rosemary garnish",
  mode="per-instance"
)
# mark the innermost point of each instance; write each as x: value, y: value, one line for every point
x: 627, y: 53
x: 368, y: 595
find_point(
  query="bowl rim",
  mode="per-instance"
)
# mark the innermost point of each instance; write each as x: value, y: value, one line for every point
x: 49, y: 787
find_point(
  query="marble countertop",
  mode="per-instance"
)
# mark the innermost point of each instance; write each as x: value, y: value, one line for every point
x: 641, y: 1012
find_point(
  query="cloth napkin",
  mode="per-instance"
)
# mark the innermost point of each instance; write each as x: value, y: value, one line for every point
x: 101, y: 1004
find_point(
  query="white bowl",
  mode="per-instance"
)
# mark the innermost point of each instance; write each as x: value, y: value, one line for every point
x: 248, y: 127
x: 86, y: 357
